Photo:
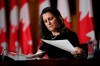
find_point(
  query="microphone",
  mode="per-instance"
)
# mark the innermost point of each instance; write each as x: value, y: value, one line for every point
x: 4, y: 56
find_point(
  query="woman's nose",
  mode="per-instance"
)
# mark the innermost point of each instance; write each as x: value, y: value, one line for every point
x: 49, y: 22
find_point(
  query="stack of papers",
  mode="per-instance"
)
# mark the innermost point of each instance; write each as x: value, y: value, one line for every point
x: 62, y: 44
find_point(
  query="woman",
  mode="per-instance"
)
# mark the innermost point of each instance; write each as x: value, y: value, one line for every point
x: 53, y: 28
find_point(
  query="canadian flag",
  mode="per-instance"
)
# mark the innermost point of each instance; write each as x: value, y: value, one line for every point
x: 25, y: 31
x: 43, y: 4
x: 85, y: 24
x: 3, y: 42
x: 13, y: 29
x: 63, y: 7
x: 86, y: 32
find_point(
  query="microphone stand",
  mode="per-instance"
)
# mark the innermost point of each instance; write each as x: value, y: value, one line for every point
x: 2, y: 54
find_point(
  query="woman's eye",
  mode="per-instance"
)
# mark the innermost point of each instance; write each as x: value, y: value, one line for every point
x: 50, y: 18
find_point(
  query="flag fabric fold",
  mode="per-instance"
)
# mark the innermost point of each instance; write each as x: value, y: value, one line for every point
x: 26, y: 43
x: 13, y: 29
x: 3, y: 39
x: 85, y: 23
x: 86, y: 31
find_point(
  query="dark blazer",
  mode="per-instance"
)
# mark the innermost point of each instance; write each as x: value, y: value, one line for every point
x: 54, y: 52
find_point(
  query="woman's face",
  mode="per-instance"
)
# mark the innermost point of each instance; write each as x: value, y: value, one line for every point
x: 50, y: 22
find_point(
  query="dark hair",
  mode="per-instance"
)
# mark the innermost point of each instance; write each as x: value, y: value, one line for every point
x: 44, y: 31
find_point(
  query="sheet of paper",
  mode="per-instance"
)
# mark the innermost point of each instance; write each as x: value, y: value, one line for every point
x: 62, y: 44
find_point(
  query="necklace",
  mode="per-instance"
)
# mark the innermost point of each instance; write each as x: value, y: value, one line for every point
x: 53, y: 37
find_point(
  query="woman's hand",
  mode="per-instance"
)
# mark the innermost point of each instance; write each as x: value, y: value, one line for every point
x: 39, y: 54
x: 78, y: 52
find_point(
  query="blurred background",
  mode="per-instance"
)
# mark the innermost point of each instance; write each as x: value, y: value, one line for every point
x: 19, y: 24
